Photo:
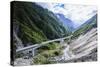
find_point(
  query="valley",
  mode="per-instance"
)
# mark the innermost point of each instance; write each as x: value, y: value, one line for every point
x: 41, y: 37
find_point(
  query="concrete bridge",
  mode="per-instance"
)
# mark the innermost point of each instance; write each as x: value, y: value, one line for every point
x: 31, y: 49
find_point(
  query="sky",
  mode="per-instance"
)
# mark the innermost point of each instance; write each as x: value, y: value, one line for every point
x: 76, y: 13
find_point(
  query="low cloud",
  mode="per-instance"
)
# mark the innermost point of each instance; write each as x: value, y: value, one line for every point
x: 77, y: 13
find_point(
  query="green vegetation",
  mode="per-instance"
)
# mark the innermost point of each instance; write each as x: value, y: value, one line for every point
x: 50, y: 46
x: 35, y: 24
x: 91, y: 23
x: 44, y: 57
x: 45, y: 52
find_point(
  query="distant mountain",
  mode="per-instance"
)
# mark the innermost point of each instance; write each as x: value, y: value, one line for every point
x: 87, y: 26
x: 67, y: 23
x: 91, y: 21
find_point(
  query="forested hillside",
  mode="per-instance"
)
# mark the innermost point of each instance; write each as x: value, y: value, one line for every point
x: 34, y: 24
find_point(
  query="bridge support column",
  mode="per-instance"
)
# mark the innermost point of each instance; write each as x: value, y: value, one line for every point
x: 61, y: 41
x: 33, y: 52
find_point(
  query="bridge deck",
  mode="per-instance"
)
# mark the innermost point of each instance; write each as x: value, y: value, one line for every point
x: 41, y: 44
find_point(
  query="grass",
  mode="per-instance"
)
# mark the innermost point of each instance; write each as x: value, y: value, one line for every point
x: 45, y: 54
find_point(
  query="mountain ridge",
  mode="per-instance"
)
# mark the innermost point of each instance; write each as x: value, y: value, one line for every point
x: 67, y: 23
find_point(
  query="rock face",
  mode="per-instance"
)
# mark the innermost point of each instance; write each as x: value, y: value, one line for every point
x: 23, y: 62
x: 87, y: 26
x: 85, y: 46
x: 82, y: 49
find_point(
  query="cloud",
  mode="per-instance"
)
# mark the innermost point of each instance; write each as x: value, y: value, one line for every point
x: 77, y: 13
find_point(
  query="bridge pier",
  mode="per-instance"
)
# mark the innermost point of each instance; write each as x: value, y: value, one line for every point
x: 62, y: 42
x: 33, y: 51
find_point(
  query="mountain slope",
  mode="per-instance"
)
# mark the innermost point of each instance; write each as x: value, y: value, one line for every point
x: 87, y: 26
x: 34, y: 24
x: 67, y: 23
x: 91, y: 21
